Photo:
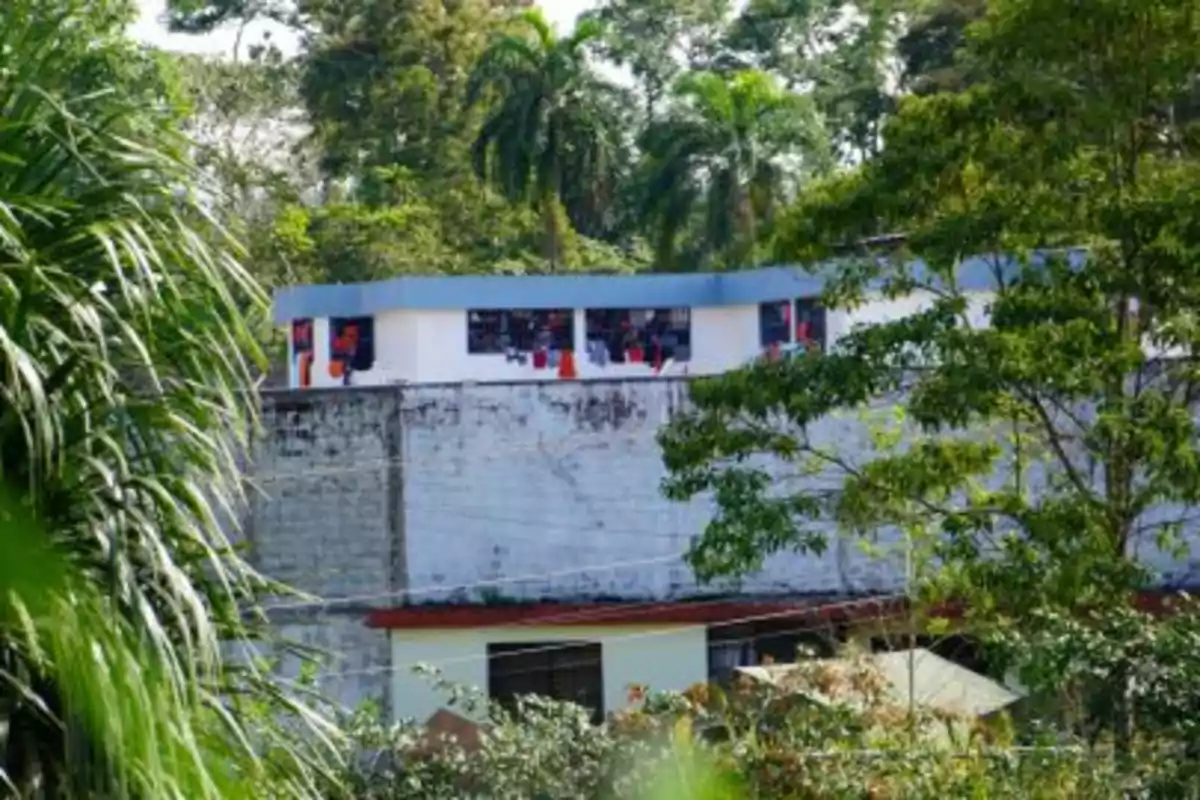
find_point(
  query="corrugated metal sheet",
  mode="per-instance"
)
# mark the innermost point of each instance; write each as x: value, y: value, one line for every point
x: 936, y: 683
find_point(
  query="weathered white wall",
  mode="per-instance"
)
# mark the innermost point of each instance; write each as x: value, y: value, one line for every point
x: 517, y: 491
x: 552, y: 490
x: 665, y: 658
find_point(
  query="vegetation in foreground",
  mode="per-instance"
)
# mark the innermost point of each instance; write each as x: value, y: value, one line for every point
x: 756, y: 741
x: 1043, y: 444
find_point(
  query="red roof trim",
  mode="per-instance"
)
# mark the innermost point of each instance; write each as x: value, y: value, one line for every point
x: 679, y: 613
x: 668, y: 613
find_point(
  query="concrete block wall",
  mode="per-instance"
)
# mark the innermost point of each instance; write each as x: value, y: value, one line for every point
x: 326, y: 518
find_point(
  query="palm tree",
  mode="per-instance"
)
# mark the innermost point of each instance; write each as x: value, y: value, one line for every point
x: 125, y: 376
x: 552, y: 137
x: 720, y: 162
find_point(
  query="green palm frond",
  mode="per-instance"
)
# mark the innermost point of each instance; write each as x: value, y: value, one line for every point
x: 721, y: 148
x: 550, y: 135
x: 535, y: 21
x: 125, y: 367
x: 136, y: 723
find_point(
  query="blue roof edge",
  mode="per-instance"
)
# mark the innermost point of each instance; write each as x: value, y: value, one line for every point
x: 642, y: 290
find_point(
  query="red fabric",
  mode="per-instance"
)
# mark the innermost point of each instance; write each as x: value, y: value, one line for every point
x: 566, y: 365
x: 634, y: 355
x: 803, y: 331
x: 540, y: 358
x: 305, y: 370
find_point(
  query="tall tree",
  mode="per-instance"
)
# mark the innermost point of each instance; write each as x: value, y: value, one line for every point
x: 1045, y: 450
x: 717, y: 166
x: 385, y: 81
x: 126, y: 371
x: 553, y: 133
x: 933, y: 46
x: 657, y: 40
x: 842, y: 51
x: 784, y: 37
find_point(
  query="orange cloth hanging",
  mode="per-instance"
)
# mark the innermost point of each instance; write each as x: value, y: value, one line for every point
x: 566, y: 365
x: 305, y: 370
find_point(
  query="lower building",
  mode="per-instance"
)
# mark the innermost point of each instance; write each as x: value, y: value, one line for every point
x: 604, y: 656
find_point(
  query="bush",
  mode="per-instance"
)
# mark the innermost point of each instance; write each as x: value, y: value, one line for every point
x: 751, y: 740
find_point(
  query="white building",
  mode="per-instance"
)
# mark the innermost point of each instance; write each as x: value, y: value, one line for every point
x: 519, y: 328
x: 481, y: 511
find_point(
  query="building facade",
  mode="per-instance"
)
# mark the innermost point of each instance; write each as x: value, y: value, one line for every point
x: 517, y: 525
x: 442, y: 523
x: 538, y: 328
x: 502, y: 521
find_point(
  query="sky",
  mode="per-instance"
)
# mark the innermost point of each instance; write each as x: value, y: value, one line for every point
x: 150, y: 29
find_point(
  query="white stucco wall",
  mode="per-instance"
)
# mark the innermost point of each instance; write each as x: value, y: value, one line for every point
x: 553, y: 489
x: 431, y: 346
x: 661, y: 657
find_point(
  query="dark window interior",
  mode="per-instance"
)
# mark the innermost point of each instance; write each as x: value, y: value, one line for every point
x: 302, y: 335
x: 810, y: 322
x: 497, y: 331
x: 774, y: 323
x: 568, y: 671
x: 776, y: 642
x: 352, y: 341
x: 639, y: 335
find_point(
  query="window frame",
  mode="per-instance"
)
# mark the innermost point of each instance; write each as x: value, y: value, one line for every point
x: 613, y: 328
x: 786, y: 324
x: 522, y: 327
x: 364, y: 356
x: 819, y: 322
x: 538, y: 668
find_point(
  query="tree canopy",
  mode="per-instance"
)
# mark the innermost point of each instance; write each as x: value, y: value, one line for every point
x: 471, y: 116
x: 1031, y: 427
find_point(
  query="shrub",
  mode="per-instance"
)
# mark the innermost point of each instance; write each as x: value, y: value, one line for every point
x: 751, y: 740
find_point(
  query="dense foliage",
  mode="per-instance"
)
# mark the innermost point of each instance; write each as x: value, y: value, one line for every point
x: 125, y: 363
x: 1033, y: 448
x: 472, y: 137
x: 756, y: 740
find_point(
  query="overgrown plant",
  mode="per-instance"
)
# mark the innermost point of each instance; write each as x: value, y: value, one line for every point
x: 749, y: 741
x: 126, y: 378
x: 1046, y: 383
